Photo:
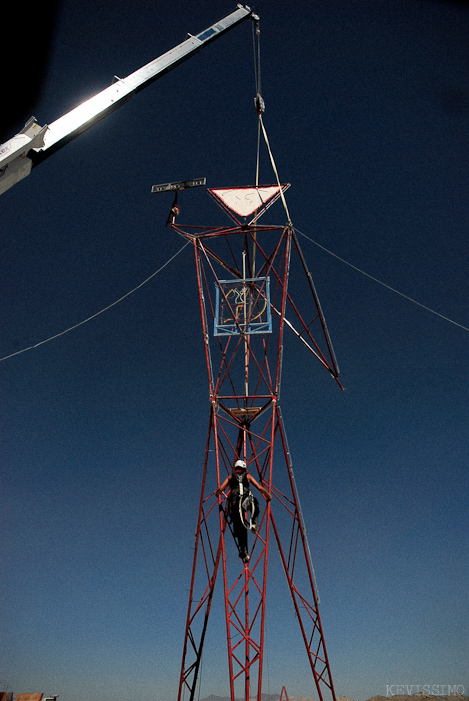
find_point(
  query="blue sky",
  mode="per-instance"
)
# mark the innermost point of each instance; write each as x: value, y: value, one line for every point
x: 103, y: 429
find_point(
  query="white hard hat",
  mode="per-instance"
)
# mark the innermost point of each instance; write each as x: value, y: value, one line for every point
x: 240, y: 463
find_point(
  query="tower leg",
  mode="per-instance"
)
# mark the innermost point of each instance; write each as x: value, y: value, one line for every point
x: 207, y: 553
x: 296, y: 560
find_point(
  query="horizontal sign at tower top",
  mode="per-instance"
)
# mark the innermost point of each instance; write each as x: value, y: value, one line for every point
x: 180, y: 185
x: 245, y: 201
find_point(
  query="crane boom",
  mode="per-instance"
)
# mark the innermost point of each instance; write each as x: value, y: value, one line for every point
x: 33, y: 143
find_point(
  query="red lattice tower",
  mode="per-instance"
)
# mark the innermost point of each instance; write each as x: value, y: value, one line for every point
x: 246, y: 304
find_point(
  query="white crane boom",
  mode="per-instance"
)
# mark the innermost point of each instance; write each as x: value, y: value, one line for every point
x: 34, y: 143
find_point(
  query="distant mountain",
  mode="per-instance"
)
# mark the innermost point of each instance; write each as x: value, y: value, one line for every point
x: 400, y: 697
x: 265, y: 697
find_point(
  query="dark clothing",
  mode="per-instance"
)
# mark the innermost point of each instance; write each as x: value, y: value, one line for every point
x: 243, y: 510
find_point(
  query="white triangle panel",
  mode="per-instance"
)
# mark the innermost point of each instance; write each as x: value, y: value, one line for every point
x: 244, y: 201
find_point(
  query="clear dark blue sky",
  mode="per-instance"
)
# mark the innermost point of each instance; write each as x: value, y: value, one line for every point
x: 103, y: 429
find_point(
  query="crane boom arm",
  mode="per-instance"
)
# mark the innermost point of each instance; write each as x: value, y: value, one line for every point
x: 34, y: 143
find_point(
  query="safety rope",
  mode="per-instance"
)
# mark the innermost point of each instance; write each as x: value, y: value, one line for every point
x: 93, y: 316
x: 375, y: 279
x: 246, y: 523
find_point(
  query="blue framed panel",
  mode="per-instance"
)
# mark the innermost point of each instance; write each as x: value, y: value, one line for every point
x: 242, y: 307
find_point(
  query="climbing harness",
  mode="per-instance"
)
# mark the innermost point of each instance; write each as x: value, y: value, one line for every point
x: 245, y: 504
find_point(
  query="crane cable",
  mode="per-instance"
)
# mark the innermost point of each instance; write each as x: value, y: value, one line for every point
x: 260, y: 107
x: 256, y: 33
x: 259, y: 102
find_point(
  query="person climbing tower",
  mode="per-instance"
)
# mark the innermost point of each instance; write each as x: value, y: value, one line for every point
x: 243, y: 507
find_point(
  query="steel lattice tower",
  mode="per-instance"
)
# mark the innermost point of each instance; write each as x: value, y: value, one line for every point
x: 246, y: 305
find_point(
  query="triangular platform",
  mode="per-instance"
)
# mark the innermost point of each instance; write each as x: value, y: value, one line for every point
x: 245, y: 201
